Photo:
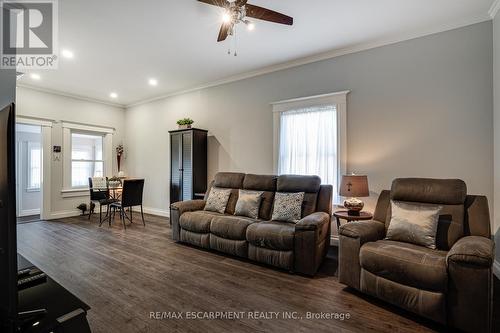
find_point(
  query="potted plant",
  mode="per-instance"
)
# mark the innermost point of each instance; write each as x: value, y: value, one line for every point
x: 185, y: 123
x: 83, y: 208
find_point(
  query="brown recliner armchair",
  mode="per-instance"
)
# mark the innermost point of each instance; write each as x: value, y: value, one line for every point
x: 452, y: 284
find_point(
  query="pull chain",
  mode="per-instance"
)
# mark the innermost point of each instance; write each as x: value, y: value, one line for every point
x: 234, y: 42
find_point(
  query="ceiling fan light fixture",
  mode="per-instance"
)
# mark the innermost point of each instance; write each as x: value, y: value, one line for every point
x: 226, y: 17
x: 250, y: 26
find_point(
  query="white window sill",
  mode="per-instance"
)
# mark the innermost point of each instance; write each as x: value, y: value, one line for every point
x: 33, y: 190
x: 75, y: 192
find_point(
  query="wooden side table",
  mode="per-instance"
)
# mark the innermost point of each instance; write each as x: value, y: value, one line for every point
x: 342, y: 215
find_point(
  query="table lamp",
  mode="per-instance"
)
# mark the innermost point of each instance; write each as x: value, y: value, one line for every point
x: 353, y: 187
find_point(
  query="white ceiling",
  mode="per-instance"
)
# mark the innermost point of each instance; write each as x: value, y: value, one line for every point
x: 119, y: 44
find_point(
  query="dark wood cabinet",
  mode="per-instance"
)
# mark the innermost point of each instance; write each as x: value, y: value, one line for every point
x: 188, y: 164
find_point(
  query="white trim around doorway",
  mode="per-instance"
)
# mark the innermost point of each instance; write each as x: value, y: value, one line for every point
x: 46, y: 144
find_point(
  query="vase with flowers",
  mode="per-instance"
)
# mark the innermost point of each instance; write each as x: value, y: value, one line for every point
x: 119, y: 154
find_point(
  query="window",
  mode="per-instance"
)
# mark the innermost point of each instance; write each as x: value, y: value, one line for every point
x: 310, y: 137
x: 308, y: 143
x: 34, y: 165
x: 87, y: 151
x: 86, y: 158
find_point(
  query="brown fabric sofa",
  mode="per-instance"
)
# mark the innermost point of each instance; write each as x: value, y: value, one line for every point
x: 452, y: 284
x: 297, y: 247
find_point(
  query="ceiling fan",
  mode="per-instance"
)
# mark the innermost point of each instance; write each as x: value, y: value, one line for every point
x: 237, y: 12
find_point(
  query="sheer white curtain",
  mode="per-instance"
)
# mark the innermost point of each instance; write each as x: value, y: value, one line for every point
x: 86, y: 158
x: 308, y: 143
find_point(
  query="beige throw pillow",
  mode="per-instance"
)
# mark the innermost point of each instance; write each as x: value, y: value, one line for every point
x: 217, y: 199
x: 248, y: 203
x: 414, y: 223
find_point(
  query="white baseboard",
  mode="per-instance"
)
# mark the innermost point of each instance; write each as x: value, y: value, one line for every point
x: 76, y: 212
x: 334, y: 240
x: 29, y: 212
x: 496, y: 268
x: 156, y: 211
x: 63, y: 214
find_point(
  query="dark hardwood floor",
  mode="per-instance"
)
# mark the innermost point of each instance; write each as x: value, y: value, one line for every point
x: 124, y: 275
x: 27, y: 219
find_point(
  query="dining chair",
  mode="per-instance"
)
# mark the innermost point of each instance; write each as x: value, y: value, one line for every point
x: 131, y: 197
x: 99, y: 194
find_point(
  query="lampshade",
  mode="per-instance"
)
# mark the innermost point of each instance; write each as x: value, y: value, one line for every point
x: 354, y: 186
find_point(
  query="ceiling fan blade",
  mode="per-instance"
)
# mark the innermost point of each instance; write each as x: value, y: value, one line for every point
x: 218, y: 3
x: 268, y: 15
x: 224, y: 32
x: 240, y: 3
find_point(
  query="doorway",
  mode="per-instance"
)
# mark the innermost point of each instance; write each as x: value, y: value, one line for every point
x: 28, y: 172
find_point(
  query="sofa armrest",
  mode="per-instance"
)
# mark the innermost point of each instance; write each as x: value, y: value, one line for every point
x: 312, y: 240
x: 188, y: 206
x: 313, y: 221
x: 352, y: 236
x: 470, y: 284
x: 472, y: 250
x: 179, y: 208
x: 366, y: 231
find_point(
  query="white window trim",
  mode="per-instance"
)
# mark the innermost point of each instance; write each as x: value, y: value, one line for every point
x: 68, y: 128
x: 339, y: 99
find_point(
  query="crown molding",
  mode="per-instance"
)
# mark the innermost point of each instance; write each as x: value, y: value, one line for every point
x: 69, y: 95
x: 494, y: 9
x: 286, y: 65
x: 318, y: 57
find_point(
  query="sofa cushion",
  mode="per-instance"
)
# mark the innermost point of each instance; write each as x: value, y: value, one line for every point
x: 405, y: 263
x: 293, y: 183
x: 272, y: 235
x: 229, y: 179
x: 195, y: 238
x: 260, y: 183
x: 429, y: 304
x: 233, y: 247
x: 231, y: 227
x: 266, y: 206
x: 435, y: 191
x: 198, y: 221
x: 277, y: 258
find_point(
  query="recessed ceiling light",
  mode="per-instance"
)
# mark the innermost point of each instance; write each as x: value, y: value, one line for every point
x: 113, y: 95
x: 153, y: 82
x: 67, y: 54
x: 35, y: 76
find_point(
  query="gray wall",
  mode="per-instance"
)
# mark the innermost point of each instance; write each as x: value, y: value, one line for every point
x: 421, y: 108
x: 496, y: 88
